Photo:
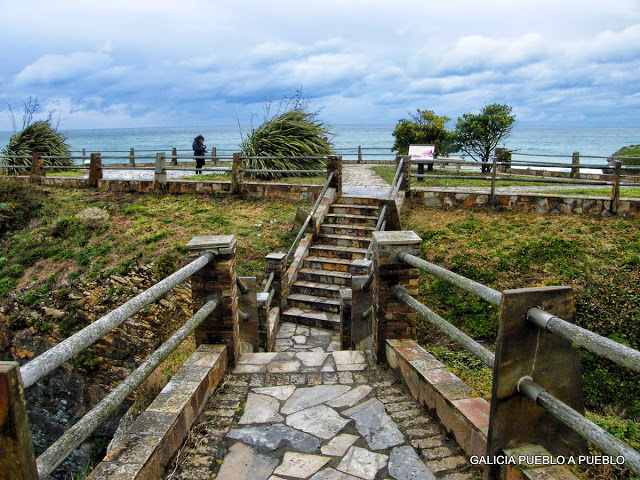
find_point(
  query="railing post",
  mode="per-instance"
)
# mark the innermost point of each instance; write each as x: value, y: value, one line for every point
x: 84, y: 154
x: 217, y: 278
x: 95, y: 169
x: 405, y: 186
x: 575, y: 161
x: 502, y: 155
x: 277, y: 263
x: 393, y: 318
x: 160, y: 173
x: 615, y: 189
x: 174, y: 156
x: 361, y: 301
x: 523, y: 349
x: 334, y: 164
x: 492, y: 194
x: 346, y: 303
x: 17, y: 460
x: 214, y: 158
x: 236, y: 173
x: 132, y: 157
x: 37, y: 168
x: 360, y: 154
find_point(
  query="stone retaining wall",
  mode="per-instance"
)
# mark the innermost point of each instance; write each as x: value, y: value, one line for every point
x: 543, y: 203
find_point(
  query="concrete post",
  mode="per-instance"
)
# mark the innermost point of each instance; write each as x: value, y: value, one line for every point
x: 214, y: 159
x: 345, y: 318
x: 393, y: 319
x: 361, y: 301
x: 132, y: 157
x: 37, y: 168
x: 217, y: 278
x: 160, y: 174
x: 236, y: 173
x: 360, y: 154
x: 95, y: 169
x: 575, y: 161
x: 525, y: 350
x: 277, y: 263
x: 174, y: 156
x: 17, y: 460
x: 334, y: 164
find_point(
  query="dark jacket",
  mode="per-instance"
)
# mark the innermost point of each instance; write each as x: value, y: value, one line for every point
x: 198, y: 149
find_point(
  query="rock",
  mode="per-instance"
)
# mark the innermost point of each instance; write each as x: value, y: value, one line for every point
x: 52, y: 312
x: 272, y: 437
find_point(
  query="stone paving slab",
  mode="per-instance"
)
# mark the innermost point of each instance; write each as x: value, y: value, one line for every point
x: 320, y: 415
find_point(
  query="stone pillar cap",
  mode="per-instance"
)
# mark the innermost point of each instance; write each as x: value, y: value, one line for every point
x: 211, y: 242
x: 396, y: 238
x: 276, y: 256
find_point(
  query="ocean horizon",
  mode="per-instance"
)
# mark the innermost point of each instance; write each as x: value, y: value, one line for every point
x: 558, y: 143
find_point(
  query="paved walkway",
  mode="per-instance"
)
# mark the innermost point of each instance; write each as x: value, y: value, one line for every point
x: 314, y: 413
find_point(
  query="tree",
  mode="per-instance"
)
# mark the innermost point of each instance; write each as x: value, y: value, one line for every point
x: 479, y: 134
x: 424, y: 128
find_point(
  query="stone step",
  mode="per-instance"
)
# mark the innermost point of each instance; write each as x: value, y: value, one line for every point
x: 357, y: 201
x: 344, y: 240
x: 351, y: 219
x: 316, y: 288
x: 327, y: 263
x: 338, y: 251
x: 346, y: 209
x: 311, y: 318
x: 353, y: 230
x: 313, y: 302
x: 325, y: 276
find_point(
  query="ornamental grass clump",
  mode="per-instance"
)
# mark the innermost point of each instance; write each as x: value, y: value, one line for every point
x: 39, y: 137
x: 295, y: 133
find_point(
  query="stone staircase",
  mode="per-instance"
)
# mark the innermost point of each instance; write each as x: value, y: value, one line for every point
x: 345, y: 235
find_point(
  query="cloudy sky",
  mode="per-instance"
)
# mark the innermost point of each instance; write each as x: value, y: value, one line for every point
x: 127, y: 63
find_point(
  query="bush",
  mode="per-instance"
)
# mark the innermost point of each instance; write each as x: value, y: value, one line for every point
x: 18, y: 204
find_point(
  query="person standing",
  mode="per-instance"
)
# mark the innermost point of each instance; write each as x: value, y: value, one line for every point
x: 199, y: 151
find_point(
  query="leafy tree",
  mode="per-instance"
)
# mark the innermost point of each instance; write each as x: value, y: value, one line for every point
x: 424, y: 128
x: 479, y: 134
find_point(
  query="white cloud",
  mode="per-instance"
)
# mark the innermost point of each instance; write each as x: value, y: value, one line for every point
x: 52, y: 68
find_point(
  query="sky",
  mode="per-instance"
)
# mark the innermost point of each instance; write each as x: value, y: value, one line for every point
x: 154, y: 63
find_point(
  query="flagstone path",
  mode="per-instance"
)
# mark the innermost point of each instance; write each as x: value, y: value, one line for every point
x: 319, y: 414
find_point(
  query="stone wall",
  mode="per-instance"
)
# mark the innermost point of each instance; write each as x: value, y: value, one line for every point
x: 542, y: 203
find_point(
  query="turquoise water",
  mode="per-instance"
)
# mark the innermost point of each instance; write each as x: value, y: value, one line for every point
x: 560, y: 142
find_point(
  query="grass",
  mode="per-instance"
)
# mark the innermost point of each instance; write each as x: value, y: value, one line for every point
x: 625, y: 192
x: 598, y: 257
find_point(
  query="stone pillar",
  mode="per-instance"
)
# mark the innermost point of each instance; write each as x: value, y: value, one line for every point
x: 174, y: 156
x: 17, y: 460
x: 132, y: 157
x: 236, y: 173
x: 95, y: 169
x: 37, y: 168
x: 218, y: 278
x: 393, y: 319
x: 334, y: 164
x: 277, y: 263
x: 575, y: 161
x: 160, y: 174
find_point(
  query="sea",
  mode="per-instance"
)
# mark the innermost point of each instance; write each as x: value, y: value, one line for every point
x: 552, y: 144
